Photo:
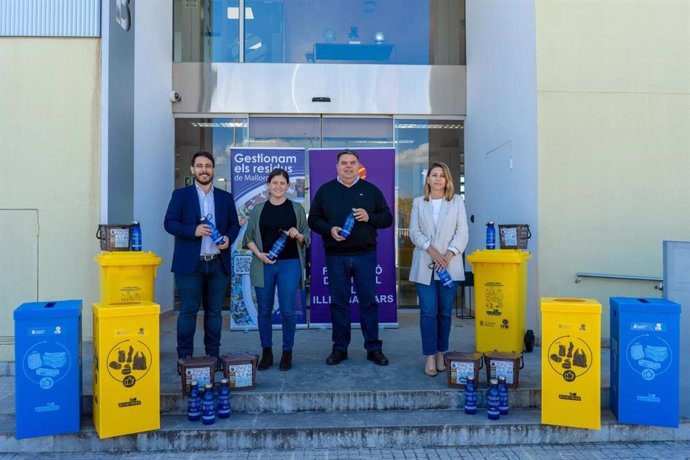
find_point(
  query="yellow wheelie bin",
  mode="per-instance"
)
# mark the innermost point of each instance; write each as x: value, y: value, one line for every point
x: 500, y: 291
x: 571, y: 362
x: 127, y: 276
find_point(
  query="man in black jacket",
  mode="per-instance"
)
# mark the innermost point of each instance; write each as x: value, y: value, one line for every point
x: 354, y: 257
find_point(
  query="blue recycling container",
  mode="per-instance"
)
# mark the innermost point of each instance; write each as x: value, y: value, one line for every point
x: 644, y: 361
x: 47, y: 358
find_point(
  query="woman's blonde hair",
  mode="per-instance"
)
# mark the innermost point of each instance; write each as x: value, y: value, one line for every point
x: 450, y: 189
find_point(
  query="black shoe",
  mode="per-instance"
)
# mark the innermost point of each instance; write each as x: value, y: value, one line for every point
x: 336, y: 357
x: 266, y: 359
x: 378, y: 357
x: 286, y: 360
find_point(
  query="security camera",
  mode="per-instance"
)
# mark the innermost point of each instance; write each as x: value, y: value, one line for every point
x: 174, y: 96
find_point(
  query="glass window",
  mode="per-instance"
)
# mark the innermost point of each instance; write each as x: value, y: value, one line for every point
x: 420, y: 142
x: 328, y: 31
x: 215, y: 135
x: 357, y: 133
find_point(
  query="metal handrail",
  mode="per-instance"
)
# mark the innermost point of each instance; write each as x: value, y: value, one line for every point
x: 659, y: 286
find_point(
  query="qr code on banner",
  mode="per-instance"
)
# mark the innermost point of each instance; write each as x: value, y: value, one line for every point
x: 240, y: 265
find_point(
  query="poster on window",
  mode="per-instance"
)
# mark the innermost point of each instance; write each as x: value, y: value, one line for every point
x: 249, y: 170
x: 378, y: 167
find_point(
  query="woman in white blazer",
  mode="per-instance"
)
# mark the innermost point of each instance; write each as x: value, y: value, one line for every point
x: 438, y: 230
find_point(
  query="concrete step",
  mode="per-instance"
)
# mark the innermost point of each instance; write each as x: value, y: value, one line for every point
x: 254, y: 402
x: 320, y: 430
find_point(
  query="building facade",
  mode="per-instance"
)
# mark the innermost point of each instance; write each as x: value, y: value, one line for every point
x: 568, y: 116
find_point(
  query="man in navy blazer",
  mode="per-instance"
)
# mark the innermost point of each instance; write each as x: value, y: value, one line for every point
x: 201, y: 267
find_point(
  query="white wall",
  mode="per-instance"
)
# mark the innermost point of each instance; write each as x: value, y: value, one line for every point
x: 614, y: 142
x: 500, y: 131
x: 49, y: 146
x: 154, y: 136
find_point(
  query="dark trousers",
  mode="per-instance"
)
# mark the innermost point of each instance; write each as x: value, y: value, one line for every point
x: 342, y: 272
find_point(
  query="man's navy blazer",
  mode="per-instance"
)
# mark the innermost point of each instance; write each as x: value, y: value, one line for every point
x: 182, y: 218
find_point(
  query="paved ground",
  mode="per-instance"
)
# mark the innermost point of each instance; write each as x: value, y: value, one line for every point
x: 652, y: 450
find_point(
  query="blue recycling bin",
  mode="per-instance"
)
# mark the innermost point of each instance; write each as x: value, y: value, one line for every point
x: 644, y: 361
x: 47, y: 358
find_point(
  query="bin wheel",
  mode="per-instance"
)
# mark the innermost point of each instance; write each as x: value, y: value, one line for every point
x: 529, y: 341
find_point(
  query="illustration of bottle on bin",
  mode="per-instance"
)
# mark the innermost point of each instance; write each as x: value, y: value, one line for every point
x: 470, y: 396
x: 490, y: 235
x: 349, y: 224
x: 503, y: 398
x: 493, y: 400
x: 224, y: 405
x: 216, y: 237
x: 135, y: 239
x: 208, y: 406
x: 278, y: 246
x: 194, y: 403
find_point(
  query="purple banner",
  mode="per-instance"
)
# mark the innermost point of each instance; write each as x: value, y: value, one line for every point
x: 250, y: 168
x: 377, y: 167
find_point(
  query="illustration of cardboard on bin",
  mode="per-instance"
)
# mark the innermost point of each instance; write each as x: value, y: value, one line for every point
x: 645, y: 339
x: 48, y: 368
x: 571, y: 362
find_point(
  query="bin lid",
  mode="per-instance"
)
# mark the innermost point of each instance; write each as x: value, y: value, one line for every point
x: 120, y: 258
x: 570, y: 305
x: 53, y: 309
x: 499, y: 256
x: 117, y: 310
x: 645, y: 305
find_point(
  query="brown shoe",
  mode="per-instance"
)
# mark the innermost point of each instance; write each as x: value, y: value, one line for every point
x: 286, y: 360
x: 266, y: 359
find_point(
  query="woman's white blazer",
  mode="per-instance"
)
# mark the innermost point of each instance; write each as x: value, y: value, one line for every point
x: 451, y: 231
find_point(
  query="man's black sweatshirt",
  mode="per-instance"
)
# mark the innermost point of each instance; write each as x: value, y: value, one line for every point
x: 331, y: 206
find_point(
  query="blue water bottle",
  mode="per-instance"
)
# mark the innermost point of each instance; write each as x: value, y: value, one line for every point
x: 445, y: 278
x: 224, y: 408
x: 135, y: 237
x: 503, y: 401
x: 492, y: 400
x: 470, y: 396
x: 208, y: 406
x: 490, y: 235
x: 216, y: 237
x: 278, y: 246
x: 346, y: 230
x: 194, y: 403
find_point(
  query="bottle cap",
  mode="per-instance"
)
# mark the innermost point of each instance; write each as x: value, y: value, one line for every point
x: 493, y: 382
x: 502, y: 378
x: 489, y: 223
x: 224, y: 381
x: 208, y: 386
x: 135, y: 222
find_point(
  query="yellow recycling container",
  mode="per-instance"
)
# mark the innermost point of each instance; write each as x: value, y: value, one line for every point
x: 500, y: 292
x: 127, y: 276
x: 571, y: 362
x: 126, y: 377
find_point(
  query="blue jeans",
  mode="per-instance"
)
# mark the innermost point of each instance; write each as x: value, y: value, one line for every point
x: 207, y: 286
x: 285, y: 275
x: 361, y: 269
x: 435, y: 308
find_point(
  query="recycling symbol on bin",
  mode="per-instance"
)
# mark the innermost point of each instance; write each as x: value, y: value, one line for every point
x: 129, y: 361
x: 570, y: 357
x: 649, y: 356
